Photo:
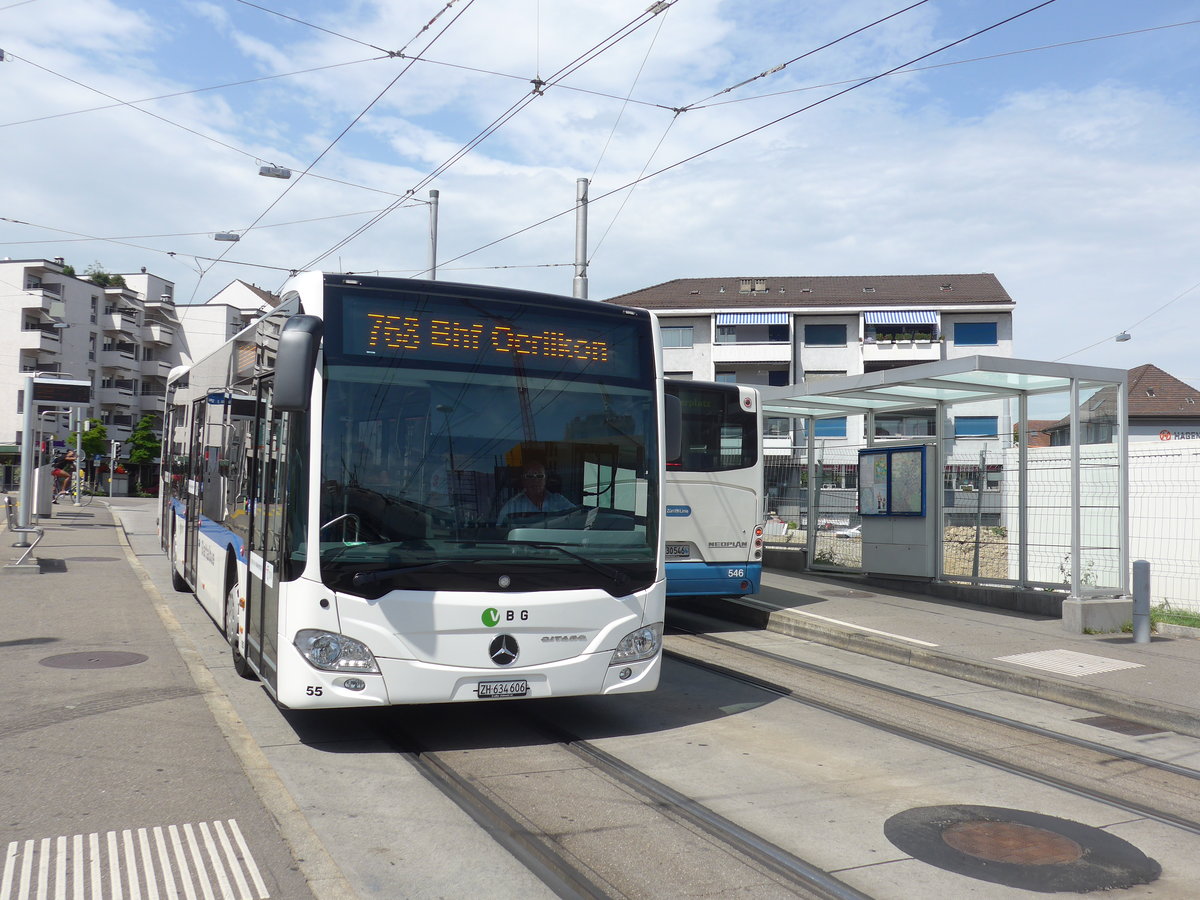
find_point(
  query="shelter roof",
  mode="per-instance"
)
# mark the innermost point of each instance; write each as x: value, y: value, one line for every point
x: 963, y: 380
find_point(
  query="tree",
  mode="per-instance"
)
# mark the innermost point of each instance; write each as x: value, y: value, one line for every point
x: 95, y: 439
x: 144, y: 444
x: 144, y: 449
x: 96, y: 275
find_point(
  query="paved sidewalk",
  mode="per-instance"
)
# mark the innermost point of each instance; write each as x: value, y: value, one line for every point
x: 1151, y: 683
x: 118, y: 764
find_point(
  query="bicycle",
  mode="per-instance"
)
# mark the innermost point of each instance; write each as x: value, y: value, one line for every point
x: 87, y: 491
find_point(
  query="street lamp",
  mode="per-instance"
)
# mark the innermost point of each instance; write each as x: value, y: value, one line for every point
x: 227, y: 236
x: 274, y: 172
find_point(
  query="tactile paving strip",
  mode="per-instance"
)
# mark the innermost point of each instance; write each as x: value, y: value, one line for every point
x: 1068, y: 662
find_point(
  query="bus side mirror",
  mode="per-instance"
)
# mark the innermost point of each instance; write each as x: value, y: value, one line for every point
x: 673, y: 438
x: 296, y: 362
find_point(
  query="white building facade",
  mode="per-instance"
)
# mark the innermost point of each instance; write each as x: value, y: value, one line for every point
x: 122, y: 340
x: 794, y: 330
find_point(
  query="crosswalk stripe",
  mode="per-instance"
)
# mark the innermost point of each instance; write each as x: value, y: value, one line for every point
x: 198, y: 861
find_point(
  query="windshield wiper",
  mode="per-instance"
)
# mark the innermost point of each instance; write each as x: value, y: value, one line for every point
x: 618, y: 577
x: 362, y: 579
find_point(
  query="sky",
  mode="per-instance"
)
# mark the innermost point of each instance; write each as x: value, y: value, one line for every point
x: 1058, y: 150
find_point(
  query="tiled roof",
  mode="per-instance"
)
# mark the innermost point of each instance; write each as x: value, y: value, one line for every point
x: 851, y: 291
x: 1153, y: 394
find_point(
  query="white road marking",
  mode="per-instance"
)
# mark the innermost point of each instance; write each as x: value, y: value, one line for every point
x: 898, y: 637
x: 135, y: 864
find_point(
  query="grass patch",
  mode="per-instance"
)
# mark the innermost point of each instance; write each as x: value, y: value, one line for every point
x: 1174, y: 617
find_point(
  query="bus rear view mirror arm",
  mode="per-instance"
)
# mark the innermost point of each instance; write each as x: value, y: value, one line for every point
x: 296, y: 362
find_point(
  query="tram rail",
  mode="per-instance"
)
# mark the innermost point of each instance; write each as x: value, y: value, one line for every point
x: 1086, y: 768
x: 530, y: 835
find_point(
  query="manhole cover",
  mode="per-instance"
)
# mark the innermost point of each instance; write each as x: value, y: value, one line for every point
x: 1020, y: 849
x: 1012, y: 842
x: 852, y: 595
x: 93, y: 559
x: 94, y: 659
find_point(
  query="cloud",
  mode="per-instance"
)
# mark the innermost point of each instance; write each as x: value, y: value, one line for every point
x: 1068, y: 177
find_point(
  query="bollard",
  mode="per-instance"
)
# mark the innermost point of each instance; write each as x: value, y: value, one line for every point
x: 1141, y: 602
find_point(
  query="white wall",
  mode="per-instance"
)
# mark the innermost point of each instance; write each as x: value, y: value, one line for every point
x: 1164, y: 516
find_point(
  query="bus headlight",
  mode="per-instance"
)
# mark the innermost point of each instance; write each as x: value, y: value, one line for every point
x: 638, y: 645
x: 335, y: 652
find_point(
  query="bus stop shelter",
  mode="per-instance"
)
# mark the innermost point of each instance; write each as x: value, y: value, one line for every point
x: 1063, y: 511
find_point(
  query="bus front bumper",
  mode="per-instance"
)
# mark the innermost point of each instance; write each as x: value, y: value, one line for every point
x: 407, y: 681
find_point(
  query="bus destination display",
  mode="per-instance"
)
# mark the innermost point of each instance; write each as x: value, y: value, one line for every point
x: 399, y: 333
x: 440, y: 332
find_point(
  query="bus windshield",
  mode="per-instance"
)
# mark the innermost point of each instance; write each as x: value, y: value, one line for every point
x: 480, y: 467
x: 718, y: 435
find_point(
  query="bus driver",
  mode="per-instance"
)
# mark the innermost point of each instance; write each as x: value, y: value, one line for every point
x: 534, y: 501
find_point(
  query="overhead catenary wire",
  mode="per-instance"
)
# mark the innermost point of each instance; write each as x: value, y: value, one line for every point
x: 345, y: 130
x: 860, y: 84
x: 200, y: 90
x: 779, y: 68
x: 539, y: 88
x: 859, y: 81
x: 209, y: 231
x: 958, y: 62
x: 1126, y: 331
x: 130, y: 104
x: 310, y: 25
x: 769, y: 72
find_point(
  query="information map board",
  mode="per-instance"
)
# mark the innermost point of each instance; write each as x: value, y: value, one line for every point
x: 891, y: 482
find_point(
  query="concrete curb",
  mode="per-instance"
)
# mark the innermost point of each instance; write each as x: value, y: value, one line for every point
x: 1155, y: 714
x: 324, y: 878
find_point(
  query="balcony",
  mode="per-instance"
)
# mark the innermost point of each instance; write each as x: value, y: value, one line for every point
x: 39, y: 337
x: 154, y: 403
x: 158, y: 333
x: 40, y: 297
x: 118, y: 359
x: 119, y: 428
x: 116, y: 393
x: 773, y: 352
x: 155, y: 368
x: 117, y: 322
x: 162, y: 309
x: 903, y: 351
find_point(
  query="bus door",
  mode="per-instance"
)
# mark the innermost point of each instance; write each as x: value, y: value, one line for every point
x: 266, y: 561
x: 193, y: 492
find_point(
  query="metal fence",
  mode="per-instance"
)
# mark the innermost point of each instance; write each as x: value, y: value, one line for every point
x: 981, y: 525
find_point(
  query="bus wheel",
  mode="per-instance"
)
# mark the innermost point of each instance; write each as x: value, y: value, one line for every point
x: 240, y: 665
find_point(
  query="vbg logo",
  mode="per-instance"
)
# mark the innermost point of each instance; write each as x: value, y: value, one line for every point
x: 491, y: 617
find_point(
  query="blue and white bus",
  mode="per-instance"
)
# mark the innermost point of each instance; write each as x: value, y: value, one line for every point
x: 714, y: 495
x: 334, y: 477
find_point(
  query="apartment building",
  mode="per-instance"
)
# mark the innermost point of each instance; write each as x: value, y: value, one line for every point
x: 122, y: 339
x: 797, y: 330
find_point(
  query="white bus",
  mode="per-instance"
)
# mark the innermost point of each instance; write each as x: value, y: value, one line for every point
x: 714, y: 494
x: 335, y: 483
